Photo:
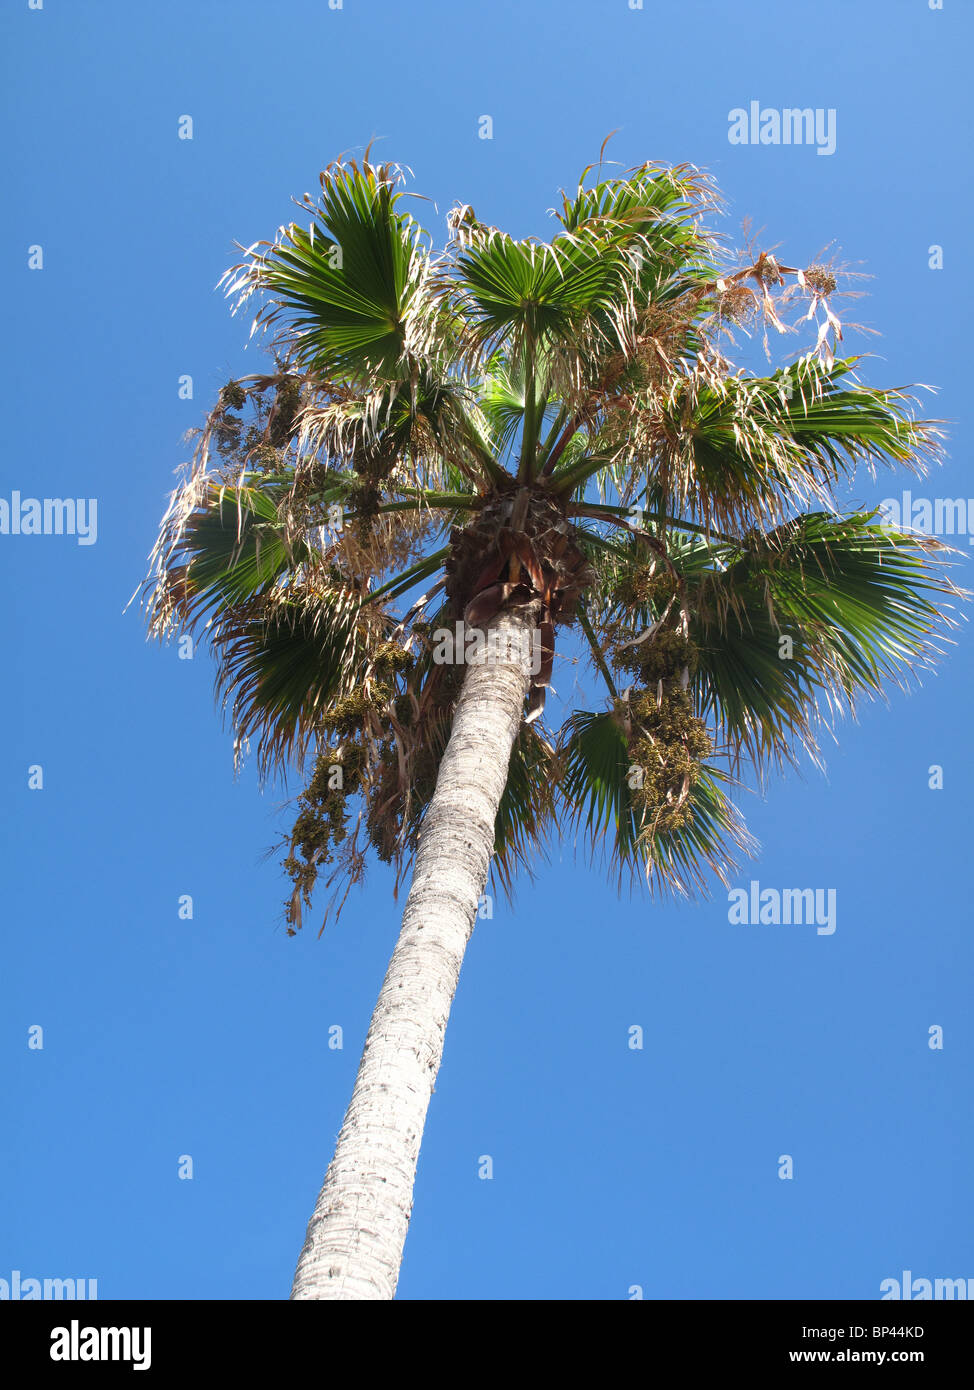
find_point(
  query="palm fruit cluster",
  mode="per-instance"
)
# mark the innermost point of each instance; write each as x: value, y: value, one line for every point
x: 258, y: 445
x: 667, y: 742
x: 321, y: 823
x: 644, y: 586
x: 820, y: 279
x: 382, y: 740
x: 354, y: 736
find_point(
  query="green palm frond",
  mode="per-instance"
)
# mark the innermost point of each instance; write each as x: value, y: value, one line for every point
x: 290, y: 633
x: 221, y: 547
x: 344, y: 289
x: 509, y: 290
x: 708, y: 846
x: 649, y: 221
x: 652, y: 218
x: 503, y: 400
x: 741, y: 451
x: 283, y: 665
x: 654, y: 199
x: 593, y: 783
x: 808, y: 618
x: 803, y: 620
x: 791, y: 626
x: 428, y: 426
x: 841, y: 428
x: 596, y: 786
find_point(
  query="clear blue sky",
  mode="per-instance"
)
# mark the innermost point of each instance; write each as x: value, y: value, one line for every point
x: 208, y: 1037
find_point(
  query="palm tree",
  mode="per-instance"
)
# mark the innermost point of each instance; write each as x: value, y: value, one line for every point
x: 459, y: 456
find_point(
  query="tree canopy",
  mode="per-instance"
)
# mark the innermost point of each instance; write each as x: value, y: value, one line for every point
x: 447, y: 430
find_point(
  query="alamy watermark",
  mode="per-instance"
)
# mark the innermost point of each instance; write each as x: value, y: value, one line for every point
x: 50, y: 516
x: 498, y: 646
x: 77, y: 1343
x: 772, y: 907
x: 791, y: 125
x: 17, y: 1289
x: 936, y: 516
x: 919, y: 1290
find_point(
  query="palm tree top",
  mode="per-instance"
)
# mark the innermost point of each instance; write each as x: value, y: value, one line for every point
x: 449, y: 432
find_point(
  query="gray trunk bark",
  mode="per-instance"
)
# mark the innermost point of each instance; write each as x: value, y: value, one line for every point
x: 355, y: 1237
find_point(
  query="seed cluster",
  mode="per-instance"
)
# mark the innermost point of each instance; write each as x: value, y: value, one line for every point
x: 820, y: 279
x: 345, y: 717
x: 643, y: 586
x: 667, y: 741
x: 391, y: 761
x: 322, y: 819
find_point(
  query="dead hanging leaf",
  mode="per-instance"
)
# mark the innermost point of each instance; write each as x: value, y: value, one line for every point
x: 547, y: 638
x: 525, y: 552
x: 536, y: 704
x: 489, y: 574
x: 771, y: 314
x: 484, y: 605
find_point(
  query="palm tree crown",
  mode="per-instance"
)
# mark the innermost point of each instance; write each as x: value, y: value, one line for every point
x: 555, y: 425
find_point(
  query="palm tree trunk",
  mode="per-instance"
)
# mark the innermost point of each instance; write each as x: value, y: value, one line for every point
x: 355, y: 1238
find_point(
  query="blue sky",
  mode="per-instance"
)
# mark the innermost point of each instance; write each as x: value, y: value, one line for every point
x: 613, y: 1167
